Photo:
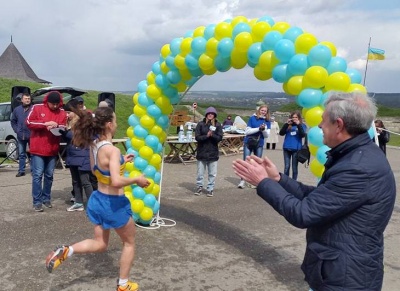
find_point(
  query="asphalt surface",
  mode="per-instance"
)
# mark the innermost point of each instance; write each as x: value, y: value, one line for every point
x: 233, y: 241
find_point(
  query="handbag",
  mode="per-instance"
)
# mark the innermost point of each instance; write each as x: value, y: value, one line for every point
x: 303, y: 155
x: 252, y: 142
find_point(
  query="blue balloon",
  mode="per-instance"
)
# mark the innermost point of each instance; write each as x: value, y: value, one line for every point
x: 162, y: 81
x: 319, y: 55
x: 222, y: 64
x: 337, y: 64
x: 198, y: 45
x: 170, y: 62
x: 267, y: 19
x: 163, y: 121
x: 154, y: 111
x: 135, y: 216
x: 175, y: 46
x: 138, y: 192
x: 174, y: 77
x: 144, y: 100
x: 315, y: 136
x: 240, y: 27
x: 149, y: 200
x: 191, y: 62
x: 323, y: 99
x: 170, y: 92
x: 270, y: 39
x: 292, y: 33
x: 225, y: 47
x: 209, y: 31
x: 188, y: 33
x: 152, y: 141
x: 155, y: 68
x: 309, y: 98
x: 128, y: 145
x: 140, y: 131
x: 254, y: 52
x: 131, y: 150
x: 284, y: 50
x: 174, y: 100
x: 354, y: 75
x: 156, y: 207
x: 140, y: 163
x: 157, y: 178
x: 133, y: 120
x: 196, y: 73
x: 190, y: 82
x: 298, y: 65
x: 149, y: 171
x: 279, y: 73
x: 321, y: 154
x: 159, y: 148
x: 371, y: 132
x: 142, y: 86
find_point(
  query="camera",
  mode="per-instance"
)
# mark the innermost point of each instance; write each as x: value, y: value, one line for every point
x: 213, y: 128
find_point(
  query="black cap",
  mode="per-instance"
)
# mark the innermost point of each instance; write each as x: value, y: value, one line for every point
x: 54, y: 97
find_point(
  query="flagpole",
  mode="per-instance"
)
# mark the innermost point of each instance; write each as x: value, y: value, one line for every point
x: 366, y: 64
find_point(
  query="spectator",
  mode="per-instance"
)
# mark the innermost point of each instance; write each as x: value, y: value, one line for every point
x: 44, y: 146
x: 294, y: 130
x: 273, y: 137
x: 257, y: 129
x: 208, y: 134
x: 228, y: 121
x: 383, y: 135
x: 347, y: 213
x: 108, y: 207
x: 18, y: 123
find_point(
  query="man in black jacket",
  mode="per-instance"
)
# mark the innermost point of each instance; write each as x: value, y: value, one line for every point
x: 347, y: 213
x: 18, y: 124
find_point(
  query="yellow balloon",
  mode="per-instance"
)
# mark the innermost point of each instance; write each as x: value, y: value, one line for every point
x: 128, y: 191
x: 210, y: 71
x: 185, y: 74
x: 199, y: 31
x: 137, y: 143
x: 164, y: 67
x: 295, y: 85
x: 179, y: 61
x: 317, y: 168
x: 268, y: 61
x: 151, y: 78
x: 129, y: 132
x: 146, y: 152
x: 238, y: 59
x: 238, y: 19
x: 139, y: 110
x: 162, y: 137
x: 313, y: 149
x: 165, y: 50
x: 129, y: 166
x: 356, y: 88
x: 259, y: 30
x: 155, y: 160
x: 243, y: 41
x: 206, y: 62
x: 153, y: 91
x: 222, y: 30
x: 304, y: 111
x: 129, y: 196
x: 163, y: 103
x: 156, y: 190
x: 181, y: 87
x: 156, y: 130
x: 147, y: 121
x: 135, y: 98
x: 253, y: 21
x: 134, y: 174
x: 212, y: 47
x: 261, y: 74
x: 137, y: 205
x: 313, y: 116
x: 304, y: 43
x: 146, y: 213
x: 331, y: 46
x: 149, y: 188
x: 315, y: 77
x: 281, y: 26
x: 338, y: 81
x: 186, y: 46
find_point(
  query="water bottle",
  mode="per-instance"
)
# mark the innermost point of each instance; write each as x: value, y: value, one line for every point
x: 189, y: 134
x: 181, y: 134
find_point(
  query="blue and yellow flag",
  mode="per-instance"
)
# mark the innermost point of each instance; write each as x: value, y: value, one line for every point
x: 376, y: 54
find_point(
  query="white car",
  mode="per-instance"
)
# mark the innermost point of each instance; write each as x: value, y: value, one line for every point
x: 8, y: 138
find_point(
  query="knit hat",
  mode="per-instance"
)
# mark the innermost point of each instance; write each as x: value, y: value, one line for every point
x: 54, y: 97
x: 211, y: 110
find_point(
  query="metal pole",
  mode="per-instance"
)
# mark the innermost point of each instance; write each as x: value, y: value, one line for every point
x: 366, y: 64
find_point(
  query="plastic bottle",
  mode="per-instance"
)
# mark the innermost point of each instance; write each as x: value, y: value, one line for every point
x: 189, y: 134
x: 181, y: 134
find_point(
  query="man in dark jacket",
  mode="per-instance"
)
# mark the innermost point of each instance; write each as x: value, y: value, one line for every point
x: 18, y: 124
x: 347, y: 213
x: 208, y: 134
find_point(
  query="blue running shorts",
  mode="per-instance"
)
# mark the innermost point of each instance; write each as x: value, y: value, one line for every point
x: 109, y: 211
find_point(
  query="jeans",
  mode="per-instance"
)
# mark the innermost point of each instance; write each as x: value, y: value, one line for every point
x: 287, y: 155
x: 22, y: 155
x: 212, y: 173
x: 42, y: 169
x: 247, y: 152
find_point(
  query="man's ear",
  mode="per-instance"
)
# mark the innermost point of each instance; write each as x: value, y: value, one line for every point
x: 340, y: 124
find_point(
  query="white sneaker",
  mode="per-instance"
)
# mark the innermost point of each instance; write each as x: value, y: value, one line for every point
x: 76, y: 207
x: 242, y: 185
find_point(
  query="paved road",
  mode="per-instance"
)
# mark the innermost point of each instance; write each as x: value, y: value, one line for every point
x: 233, y: 241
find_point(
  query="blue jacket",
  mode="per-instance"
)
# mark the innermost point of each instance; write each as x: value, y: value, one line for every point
x: 76, y: 156
x: 345, y: 216
x: 18, y: 123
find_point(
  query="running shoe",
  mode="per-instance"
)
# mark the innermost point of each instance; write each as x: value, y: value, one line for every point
x: 131, y: 286
x: 56, y: 257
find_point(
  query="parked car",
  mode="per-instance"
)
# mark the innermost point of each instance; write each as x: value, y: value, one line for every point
x: 8, y: 138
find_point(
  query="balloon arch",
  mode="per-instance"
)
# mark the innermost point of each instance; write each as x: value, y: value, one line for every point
x: 306, y: 67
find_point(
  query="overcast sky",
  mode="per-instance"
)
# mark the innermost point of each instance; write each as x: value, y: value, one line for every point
x: 110, y: 45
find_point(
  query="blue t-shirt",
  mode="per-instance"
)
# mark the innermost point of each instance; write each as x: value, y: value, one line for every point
x: 293, y: 140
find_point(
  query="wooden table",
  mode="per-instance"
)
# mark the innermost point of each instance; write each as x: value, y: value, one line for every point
x: 182, y: 151
x: 231, y: 144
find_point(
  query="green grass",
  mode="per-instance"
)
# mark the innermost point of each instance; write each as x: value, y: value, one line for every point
x: 124, y: 105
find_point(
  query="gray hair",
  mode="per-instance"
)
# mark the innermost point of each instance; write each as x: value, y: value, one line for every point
x: 356, y: 109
